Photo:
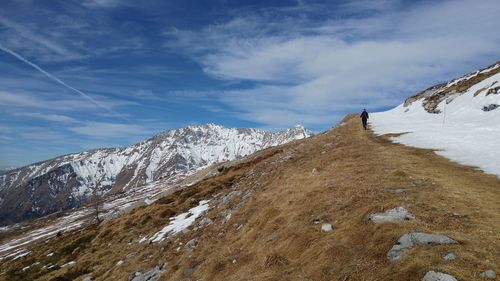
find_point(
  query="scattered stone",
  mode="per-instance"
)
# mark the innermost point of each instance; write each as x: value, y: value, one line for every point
x: 490, y: 274
x: 326, y: 227
x: 449, y: 257
x: 205, y: 222
x: 131, y: 255
x: 192, y: 243
x: 398, y: 190
x: 151, y: 275
x: 118, y: 263
x: 226, y: 218
x: 395, y: 215
x: 438, y: 276
x: 88, y: 278
x: 409, y: 240
x: 314, y: 172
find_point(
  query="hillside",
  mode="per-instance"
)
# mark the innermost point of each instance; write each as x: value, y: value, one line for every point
x: 268, y: 217
x: 68, y: 181
x: 460, y: 119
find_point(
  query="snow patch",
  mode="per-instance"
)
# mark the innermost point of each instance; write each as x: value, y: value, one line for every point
x: 462, y: 132
x: 181, y: 222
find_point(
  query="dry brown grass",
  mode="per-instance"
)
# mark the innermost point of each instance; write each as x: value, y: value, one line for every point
x: 275, y: 234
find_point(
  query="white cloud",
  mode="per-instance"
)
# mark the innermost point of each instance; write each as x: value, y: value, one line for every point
x: 20, y: 101
x: 101, y: 3
x: 44, y: 135
x: 109, y: 130
x: 307, y: 71
x: 37, y: 44
x: 48, y: 117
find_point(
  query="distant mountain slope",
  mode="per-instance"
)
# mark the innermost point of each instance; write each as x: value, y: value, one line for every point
x: 460, y: 119
x: 67, y: 181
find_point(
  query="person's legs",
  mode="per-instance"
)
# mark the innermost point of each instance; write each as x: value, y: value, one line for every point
x: 365, y: 121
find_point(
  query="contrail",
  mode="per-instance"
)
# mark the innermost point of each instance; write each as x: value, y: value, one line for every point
x: 52, y: 77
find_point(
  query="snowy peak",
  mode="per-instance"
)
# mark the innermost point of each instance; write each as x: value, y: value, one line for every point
x: 171, y: 155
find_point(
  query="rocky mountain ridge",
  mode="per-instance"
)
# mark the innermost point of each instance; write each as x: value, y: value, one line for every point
x: 68, y: 181
x: 433, y: 96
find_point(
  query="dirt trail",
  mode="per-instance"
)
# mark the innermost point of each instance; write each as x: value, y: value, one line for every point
x: 339, y: 177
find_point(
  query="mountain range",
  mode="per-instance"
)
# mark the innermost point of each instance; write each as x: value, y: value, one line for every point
x: 68, y: 181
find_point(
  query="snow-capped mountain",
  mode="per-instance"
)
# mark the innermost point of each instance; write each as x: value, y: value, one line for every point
x: 68, y: 181
x: 460, y: 119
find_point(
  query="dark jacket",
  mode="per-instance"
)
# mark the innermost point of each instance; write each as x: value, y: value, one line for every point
x: 364, y: 115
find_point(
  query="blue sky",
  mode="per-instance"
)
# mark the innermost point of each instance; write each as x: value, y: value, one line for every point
x: 77, y: 75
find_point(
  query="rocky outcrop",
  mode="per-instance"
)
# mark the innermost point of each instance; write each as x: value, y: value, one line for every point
x: 433, y: 96
x: 412, y: 239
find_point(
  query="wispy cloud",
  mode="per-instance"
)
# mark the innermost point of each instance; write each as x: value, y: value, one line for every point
x: 48, y: 117
x: 305, y: 70
x: 35, y: 38
x: 22, y: 101
x: 101, y: 3
x: 55, y: 79
x: 109, y: 130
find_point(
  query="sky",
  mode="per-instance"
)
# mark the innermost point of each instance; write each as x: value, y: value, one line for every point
x: 83, y: 74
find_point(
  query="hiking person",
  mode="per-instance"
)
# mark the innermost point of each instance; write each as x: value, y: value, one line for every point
x: 364, y: 118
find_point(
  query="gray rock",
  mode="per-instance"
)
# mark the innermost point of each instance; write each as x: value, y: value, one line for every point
x: 398, y: 190
x: 490, y: 274
x: 150, y: 275
x: 438, y: 276
x: 412, y: 239
x: 395, y: 215
x: 326, y: 227
x: 192, y: 243
x: 449, y: 257
x: 88, y: 278
x: 226, y: 218
x: 204, y: 222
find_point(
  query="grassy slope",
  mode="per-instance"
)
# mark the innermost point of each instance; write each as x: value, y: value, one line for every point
x: 274, y: 235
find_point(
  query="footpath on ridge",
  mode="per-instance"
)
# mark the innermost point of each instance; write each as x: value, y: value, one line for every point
x: 342, y: 205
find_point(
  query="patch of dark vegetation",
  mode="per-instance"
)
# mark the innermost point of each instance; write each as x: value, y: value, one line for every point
x: 77, y: 245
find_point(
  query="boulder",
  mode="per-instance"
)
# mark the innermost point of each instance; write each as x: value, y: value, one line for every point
x: 192, y: 243
x: 326, y: 227
x: 490, y: 274
x: 409, y: 240
x: 449, y: 257
x: 395, y: 215
x: 438, y: 276
x: 150, y: 275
